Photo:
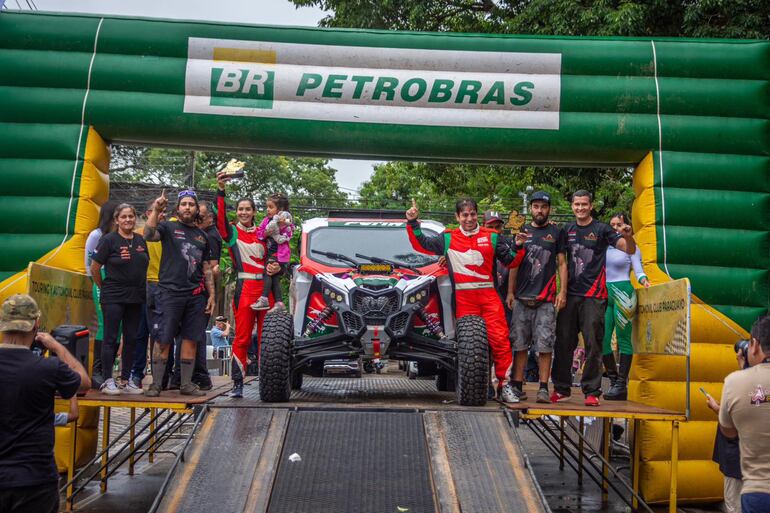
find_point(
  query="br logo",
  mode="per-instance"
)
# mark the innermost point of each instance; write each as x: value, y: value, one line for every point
x: 238, y: 87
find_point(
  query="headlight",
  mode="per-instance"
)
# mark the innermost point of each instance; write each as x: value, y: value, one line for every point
x: 417, y: 296
x: 332, y: 294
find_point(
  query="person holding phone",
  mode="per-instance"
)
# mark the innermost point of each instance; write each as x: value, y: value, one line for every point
x: 727, y: 452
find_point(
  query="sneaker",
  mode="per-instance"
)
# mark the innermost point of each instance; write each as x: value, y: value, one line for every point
x: 521, y: 394
x: 109, y: 387
x: 592, y: 400
x: 556, y: 397
x: 205, y: 385
x: 152, y: 390
x: 191, y: 389
x: 507, y: 395
x: 491, y: 392
x: 278, y: 306
x: 237, y: 391
x: 261, y: 304
x: 132, y: 389
x: 542, y: 396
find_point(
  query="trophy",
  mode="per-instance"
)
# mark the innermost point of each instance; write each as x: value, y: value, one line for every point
x: 515, y: 222
x: 233, y: 169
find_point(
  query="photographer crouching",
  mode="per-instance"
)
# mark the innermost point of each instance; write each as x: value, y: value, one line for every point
x: 28, y: 477
x: 744, y: 413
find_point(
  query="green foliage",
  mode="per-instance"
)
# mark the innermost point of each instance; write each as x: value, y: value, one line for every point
x: 437, y: 186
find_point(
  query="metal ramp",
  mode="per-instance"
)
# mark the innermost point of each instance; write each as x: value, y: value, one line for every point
x: 353, y: 461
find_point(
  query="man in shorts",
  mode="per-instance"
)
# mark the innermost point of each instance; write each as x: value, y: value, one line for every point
x: 532, y: 295
x: 185, y: 270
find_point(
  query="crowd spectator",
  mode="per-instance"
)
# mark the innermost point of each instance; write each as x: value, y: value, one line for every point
x: 744, y: 413
x: 28, y: 476
x: 123, y: 290
x: 621, y: 309
x: 220, y: 334
x: 587, y: 243
x: 185, y: 271
x: 106, y: 225
x: 533, y: 297
x: 727, y: 453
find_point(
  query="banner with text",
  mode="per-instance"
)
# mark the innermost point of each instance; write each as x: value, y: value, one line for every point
x: 372, y: 84
x: 64, y: 297
x: 662, y: 321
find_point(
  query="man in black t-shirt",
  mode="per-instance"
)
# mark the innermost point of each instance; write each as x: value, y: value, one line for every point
x: 28, y: 476
x: 201, y: 375
x: 587, y: 243
x: 535, y: 301
x: 185, y: 272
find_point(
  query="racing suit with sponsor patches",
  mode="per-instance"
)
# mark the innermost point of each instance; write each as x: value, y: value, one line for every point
x: 471, y: 258
x: 248, y: 255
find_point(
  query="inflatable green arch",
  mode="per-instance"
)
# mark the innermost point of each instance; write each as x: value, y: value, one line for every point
x: 690, y: 115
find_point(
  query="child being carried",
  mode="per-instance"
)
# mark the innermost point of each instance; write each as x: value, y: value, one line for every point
x: 276, y: 230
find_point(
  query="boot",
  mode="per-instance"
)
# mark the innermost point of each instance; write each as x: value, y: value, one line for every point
x: 610, y: 367
x: 619, y: 390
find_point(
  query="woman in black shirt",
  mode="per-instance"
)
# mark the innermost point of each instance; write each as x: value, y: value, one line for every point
x: 123, y: 254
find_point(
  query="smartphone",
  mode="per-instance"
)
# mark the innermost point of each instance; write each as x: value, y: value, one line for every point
x: 703, y: 392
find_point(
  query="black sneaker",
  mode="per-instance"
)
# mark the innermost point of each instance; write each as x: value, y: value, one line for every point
x: 521, y: 394
x: 204, y: 385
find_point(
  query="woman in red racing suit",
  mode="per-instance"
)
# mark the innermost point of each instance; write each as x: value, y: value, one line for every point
x: 248, y: 255
x: 471, y: 251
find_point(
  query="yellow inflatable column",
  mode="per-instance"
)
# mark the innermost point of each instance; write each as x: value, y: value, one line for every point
x: 660, y: 380
x: 90, y: 189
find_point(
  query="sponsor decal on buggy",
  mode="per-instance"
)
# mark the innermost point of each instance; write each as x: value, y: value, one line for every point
x: 369, y: 224
x: 373, y: 85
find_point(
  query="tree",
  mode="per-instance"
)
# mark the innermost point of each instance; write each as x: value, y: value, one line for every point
x: 498, y: 186
x: 307, y: 181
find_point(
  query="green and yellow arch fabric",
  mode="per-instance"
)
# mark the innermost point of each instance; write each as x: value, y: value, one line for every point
x: 691, y: 115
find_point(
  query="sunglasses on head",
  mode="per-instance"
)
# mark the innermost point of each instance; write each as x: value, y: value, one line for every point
x: 188, y: 194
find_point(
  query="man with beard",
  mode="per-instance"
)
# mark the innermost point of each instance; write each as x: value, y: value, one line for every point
x: 587, y: 243
x: 185, y: 266
x: 535, y: 301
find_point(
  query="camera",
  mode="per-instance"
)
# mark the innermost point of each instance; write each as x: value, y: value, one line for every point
x: 742, y: 347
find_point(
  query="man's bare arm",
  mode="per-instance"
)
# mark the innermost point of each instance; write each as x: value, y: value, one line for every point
x: 150, y: 231
x: 208, y: 273
x: 96, y: 273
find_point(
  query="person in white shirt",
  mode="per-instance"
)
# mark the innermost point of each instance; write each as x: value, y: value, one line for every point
x: 621, y: 307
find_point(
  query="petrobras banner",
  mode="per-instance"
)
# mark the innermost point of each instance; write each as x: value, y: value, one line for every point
x: 662, y: 321
x: 373, y: 85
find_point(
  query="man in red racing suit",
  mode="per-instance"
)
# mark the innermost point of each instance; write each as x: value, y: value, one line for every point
x: 248, y: 256
x: 471, y: 251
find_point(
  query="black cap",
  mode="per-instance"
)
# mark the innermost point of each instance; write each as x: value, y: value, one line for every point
x: 491, y: 216
x: 540, y: 196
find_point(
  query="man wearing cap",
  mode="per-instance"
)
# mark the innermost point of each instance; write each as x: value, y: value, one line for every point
x: 493, y: 221
x: 185, y: 270
x: 220, y: 333
x: 533, y: 297
x: 28, y: 476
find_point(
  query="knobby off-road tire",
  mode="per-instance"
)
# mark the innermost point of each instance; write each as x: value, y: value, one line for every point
x: 472, y: 361
x: 275, y: 361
